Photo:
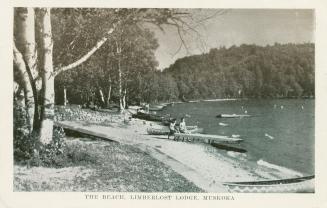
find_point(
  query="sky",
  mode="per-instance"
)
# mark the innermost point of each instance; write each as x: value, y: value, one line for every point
x: 236, y: 27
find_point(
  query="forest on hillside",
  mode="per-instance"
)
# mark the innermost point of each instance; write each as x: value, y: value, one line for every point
x: 250, y: 71
x: 246, y: 71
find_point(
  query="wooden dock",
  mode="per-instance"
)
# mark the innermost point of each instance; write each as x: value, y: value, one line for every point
x: 208, y: 138
x: 72, y: 127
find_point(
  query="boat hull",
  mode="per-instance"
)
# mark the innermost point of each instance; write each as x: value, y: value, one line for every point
x: 294, y: 185
x: 165, y: 131
x: 148, y: 117
x: 232, y: 115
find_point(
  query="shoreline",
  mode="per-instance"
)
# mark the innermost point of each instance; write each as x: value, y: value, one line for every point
x: 207, y: 170
x: 201, y: 164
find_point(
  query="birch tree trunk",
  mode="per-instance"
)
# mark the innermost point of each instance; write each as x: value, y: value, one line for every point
x: 109, y: 96
x: 120, y: 90
x: 121, y: 107
x: 109, y: 82
x: 65, y: 96
x: 24, y: 82
x: 46, y: 130
x: 124, y: 98
x: 101, y: 96
x: 26, y: 62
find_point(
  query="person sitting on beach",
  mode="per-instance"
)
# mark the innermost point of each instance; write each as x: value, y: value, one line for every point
x: 182, y: 126
x: 172, y: 128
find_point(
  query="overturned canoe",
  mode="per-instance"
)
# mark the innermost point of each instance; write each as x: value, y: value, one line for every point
x: 165, y: 131
x: 148, y: 117
x: 292, y: 185
x: 232, y: 115
x: 228, y: 148
x: 206, y: 138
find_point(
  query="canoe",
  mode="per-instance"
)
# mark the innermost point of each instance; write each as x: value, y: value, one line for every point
x: 228, y: 148
x: 292, y: 185
x: 232, y: 115
x: 206, y: 138
x: 148, y: 117
x: 194, y: 101
x: 219, y: 99
x: 165, y: 131
x: 158, y: 107
x: 223, y: 124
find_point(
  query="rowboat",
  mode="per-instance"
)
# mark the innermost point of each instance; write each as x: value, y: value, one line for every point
x: 232, y: 115
x: 206, y: 138
x: 165, y: 130
x: 292, y: 185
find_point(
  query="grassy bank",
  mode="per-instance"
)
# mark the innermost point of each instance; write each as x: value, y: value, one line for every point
x: 96, y: 165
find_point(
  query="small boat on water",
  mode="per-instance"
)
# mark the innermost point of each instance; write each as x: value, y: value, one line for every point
x: 292, y: 185
x: 157, y: 107
x: 232, y: 115
x: 223, y: 124
x: 269, y: 136
x: 165, y: 130
x: 209, y: 138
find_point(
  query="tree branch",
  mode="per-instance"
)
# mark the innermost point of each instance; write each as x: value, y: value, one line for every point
x: 19, y: 65
x: 86, y: 56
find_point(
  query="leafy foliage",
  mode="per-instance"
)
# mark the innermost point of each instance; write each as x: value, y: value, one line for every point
x: 28, y: 150
x: 100, y: 72
x: 23, y: 140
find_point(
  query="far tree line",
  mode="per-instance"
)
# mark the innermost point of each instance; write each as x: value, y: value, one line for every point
x: 129, y: 67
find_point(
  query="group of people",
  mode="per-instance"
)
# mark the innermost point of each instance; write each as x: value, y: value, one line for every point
x: 173, y: 128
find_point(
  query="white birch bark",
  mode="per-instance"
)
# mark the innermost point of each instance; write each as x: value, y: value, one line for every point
x: 109, y: 96
x: 87, y: 55
x: 124, y: 99
x: 65, y: 96
x: 19, y: 65
x: 46, y: 130
x: 120, y: 91
x: 25, y: 42
x: 101, y: 96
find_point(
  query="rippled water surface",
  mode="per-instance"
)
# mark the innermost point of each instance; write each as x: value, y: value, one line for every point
x: 279, y: 132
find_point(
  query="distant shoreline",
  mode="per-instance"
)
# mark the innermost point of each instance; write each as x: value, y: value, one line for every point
x: 233, y: 99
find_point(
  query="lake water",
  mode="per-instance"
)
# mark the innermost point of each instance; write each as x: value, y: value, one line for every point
x: 280, y: 132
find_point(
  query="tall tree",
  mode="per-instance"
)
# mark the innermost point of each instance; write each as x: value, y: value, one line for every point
x: 24, y: 33
x: 47, y: 95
